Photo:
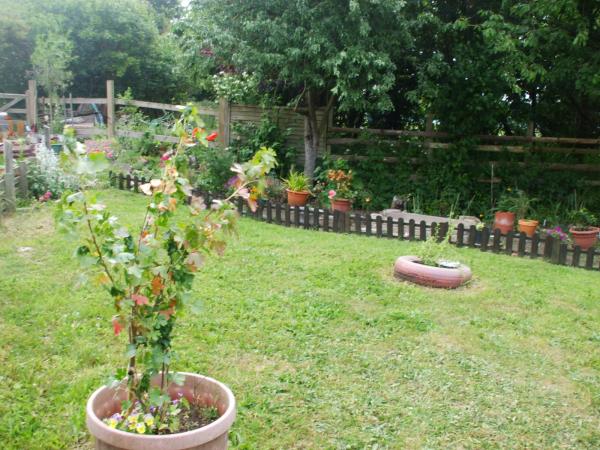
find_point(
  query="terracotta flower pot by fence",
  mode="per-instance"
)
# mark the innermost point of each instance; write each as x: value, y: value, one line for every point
x: 411, y: 269
x: 504, y: 221
x: 340, y: 204
x: 296, y: 198
x: 585, y: 238
x: 528, y: 226
x: 106, y: 401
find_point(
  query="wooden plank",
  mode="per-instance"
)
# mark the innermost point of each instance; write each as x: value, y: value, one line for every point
x: 224, y: 117
x: 460, y: 234
x: 401, y: 228
x: 269, y: 212
x: 325, y: 220
x: 287, y: 213
x: 522, y: 243
x: 9, y: 178
x: 379, y: 226
x: 472, y: 234
x: 535, y: 240
x: 8, y: 105
x: 423, y: 230
x: 110, y: 109
x: 548, y: 245
x: 278, y: 213
x: 316, y: 218
x: 444, y: 228
x: 383, y: 132
x: 509, y: 243
x: 576, y: 256
x: 306, y: 217
x: 8, y: 95
x: 23, y: 184
x: 81, y: 100
x: 589, y: 260
x: 357, y: 223
x: 17, y: 111
x: 562, y: 255
x: 485, y: 239
x: 390, y: 227
x: 139, y: 134
x: 411, y: 230
x: 496, y: 241
x: 368, y: 222
x: 297, y: 216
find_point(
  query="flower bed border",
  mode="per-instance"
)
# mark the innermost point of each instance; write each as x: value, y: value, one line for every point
x: 314, y: 218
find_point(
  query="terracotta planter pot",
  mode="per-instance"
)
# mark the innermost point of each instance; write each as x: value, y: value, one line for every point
x: 341, y: 204
x: 504, y: 221
x: 296, y: 198
x: 585, y: 238
x: 528, y: 226
x: 411, y: 269
x: 106, y: 401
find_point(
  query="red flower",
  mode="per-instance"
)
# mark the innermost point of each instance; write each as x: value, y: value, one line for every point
x: 165, y: 156
x: 211, y: 137
x: 116, y: 326
x: 140, y: 299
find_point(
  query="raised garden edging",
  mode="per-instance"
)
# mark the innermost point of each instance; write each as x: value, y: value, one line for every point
x: 314, y: 218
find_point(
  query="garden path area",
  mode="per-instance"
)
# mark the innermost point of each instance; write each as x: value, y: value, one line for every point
x: 320, y: 345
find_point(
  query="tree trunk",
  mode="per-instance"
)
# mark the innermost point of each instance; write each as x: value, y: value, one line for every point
x: 311, y: 148
x: 311, y: 135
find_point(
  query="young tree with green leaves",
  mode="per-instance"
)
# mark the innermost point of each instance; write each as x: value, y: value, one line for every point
x: 316, y: 53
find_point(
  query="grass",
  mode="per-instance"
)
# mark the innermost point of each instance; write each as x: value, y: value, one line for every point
x: 321, y: 346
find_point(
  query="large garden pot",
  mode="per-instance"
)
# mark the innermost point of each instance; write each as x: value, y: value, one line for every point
x: 106, y: 401
x: 585, y: 238
x: 296, y: 198
x: 504, y: 221
x: 411, y: 269
x: 341, y: 205
x: 528, y: 227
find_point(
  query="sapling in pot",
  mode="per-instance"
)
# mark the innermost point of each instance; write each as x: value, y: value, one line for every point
x: 147, y: 272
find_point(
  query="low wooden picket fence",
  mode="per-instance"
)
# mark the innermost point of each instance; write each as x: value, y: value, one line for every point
x: 365, y: 224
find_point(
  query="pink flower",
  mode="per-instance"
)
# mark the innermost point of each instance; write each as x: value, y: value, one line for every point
x: 166, y: 156
x: 140, y: 299
x: 117, y: 328
x: 331, y: 194
x: 109, y: 155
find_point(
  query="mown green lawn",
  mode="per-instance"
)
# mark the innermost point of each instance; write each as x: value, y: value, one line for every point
x: 321, y: 346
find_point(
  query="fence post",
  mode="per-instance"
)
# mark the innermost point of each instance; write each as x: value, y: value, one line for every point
x: 31, y: 104
x: 9, y: 178
x: 224, y: 122
x: 23, y: 186
x: 110, y: 108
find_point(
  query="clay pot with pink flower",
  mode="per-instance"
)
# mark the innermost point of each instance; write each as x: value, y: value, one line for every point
x: 340, y: 194
x: 147, y: 405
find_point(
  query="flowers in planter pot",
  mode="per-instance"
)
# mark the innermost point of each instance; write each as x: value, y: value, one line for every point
x: 339, y: 182
x: 557, y: 233
x: 148, y: 272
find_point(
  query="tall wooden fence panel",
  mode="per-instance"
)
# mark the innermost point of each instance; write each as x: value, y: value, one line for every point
x: 584, y: 153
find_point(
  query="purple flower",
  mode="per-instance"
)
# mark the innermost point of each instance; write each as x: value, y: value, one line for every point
x: 232, y: 181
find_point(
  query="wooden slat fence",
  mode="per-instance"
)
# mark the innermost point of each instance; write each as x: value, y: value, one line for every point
x: 12, y: 181
x: 585, y: 151
x: 486, y: 240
